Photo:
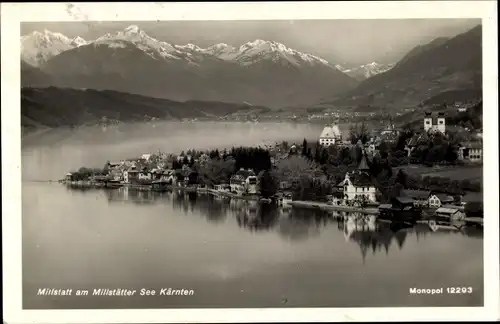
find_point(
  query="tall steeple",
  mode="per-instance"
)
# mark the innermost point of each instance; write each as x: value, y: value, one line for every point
x: 363, y: 164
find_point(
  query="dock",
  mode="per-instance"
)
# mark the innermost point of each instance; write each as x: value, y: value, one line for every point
x: 325, y: 206
x: 474, y: 221
x: 232, y: 195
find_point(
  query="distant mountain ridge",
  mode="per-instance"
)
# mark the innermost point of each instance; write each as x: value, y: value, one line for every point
x: 259, y: 72
x: 445, y: 64
x: 54, y: 107
x: 38, y: 47
x: 366, y: 71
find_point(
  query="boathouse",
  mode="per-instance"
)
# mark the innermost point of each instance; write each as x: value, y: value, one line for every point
x: 451, y: 213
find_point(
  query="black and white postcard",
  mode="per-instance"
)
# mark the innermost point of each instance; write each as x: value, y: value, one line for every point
x: 249, y: 162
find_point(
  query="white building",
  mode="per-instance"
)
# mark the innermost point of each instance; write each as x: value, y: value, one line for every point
x: 359, y: 183
x: 244, y: 181
x: 330, y: 135
x: 146, y: 157
x: 472, y: 152
x: 130, y: 176
x: 437, y: 200
x: 435, y: 124
x: 475, y: 153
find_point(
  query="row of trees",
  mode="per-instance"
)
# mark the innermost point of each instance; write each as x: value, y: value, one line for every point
x: 312, y: 189
x: 84, y: 173
x: 257, y: 159
x: 438, y: 184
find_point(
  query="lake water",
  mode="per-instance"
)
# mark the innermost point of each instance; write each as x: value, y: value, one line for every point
x: 230, y: 253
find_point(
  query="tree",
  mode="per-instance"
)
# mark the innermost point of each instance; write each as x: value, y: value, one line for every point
x: 267, y: 184
x: 105, y: 169
x: 474, y: 209
x: 363, y: 133
x: 324, y: 157
x: 304, y: 147
x: 402, y: 178
x: 353, y: 134
x: 193, y: 178
x: 383, y: 149
x: 317, y: 154
x: 396, y: 190
x: 285, y: 146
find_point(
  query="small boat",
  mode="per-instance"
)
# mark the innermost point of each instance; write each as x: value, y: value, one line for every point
x: 265, y: 200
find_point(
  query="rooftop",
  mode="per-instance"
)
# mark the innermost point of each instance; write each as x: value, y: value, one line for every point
x: 245, y: 173
x: 417, y: 139
x: 331, y: 131
x: 416, y: 194
x: 363, y: 164
x: 404, y: 200
x: 443, y: 210
x: 360, y: 179
x: 444, y: 197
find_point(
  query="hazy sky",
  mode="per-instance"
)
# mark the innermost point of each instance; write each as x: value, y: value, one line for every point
x: 348, y: 42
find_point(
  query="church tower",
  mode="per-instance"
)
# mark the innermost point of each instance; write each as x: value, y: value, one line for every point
x: 427, y: 122
x: 441, y: 123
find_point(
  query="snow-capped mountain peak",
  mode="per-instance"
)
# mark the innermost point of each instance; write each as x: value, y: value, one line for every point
x: 222, y: 51
x: 139, y: 38
x: 37, y: 47
x: 365, y: 71
x: 133, y: 29
x: 79, y: 41
x: 259, y: 49
x: 190, y: 47
x: 40, y: 46
x: 219, y: 46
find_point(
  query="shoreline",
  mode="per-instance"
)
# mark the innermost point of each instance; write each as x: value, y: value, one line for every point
x: 326, y: 207
x: 468, y: 221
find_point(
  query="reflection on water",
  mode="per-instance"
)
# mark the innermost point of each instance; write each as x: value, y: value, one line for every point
x: 233, y: 253
x: 246, y: 253
x: 291, y: 223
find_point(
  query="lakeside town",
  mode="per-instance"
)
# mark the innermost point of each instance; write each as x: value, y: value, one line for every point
x: 431, y: 171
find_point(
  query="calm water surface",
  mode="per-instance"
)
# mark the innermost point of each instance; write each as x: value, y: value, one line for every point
x: 231, y: 253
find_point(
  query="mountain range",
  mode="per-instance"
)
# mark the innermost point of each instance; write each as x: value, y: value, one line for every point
x: 443, y: 65
x: 365, y: 71
x: 48, y: 107
x: 259, y: 72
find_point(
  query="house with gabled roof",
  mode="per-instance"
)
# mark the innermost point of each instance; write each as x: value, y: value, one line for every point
x: 244, y: 181
x: 437, y: 200
x: 450, y: 213
x: 330, y: 135
x: 419, y: 197
x: 472, y: 151
x: 416, y: 140
x: 359, y: 183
